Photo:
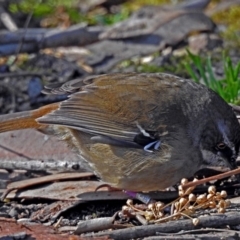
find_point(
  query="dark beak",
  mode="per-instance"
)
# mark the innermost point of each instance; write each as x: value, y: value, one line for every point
x: 233, y: 165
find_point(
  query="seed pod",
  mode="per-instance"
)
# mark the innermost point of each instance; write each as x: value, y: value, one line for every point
x: 192, y: 197
x: 126, y: 211
x: 191, y: 209
x: 201, y: 198
x: 159, y: 205
x: 181, y: 193
x: 125, y: 208
x: 223, y: 194
x: 212, y: 204
x: 210, y: 196
x: 129, y: 202
x: 151, y: 206
x: 182, y: 201
x: 184, y: 181
x: 222, y: 204
x: 217, y: 196
x: 221, y: 210
x: 180, y: 188
x: 195, y: 221
x: 160, y: 214
x: 212, y: 190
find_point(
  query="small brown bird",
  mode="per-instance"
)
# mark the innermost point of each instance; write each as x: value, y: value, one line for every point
x: 139, y: 132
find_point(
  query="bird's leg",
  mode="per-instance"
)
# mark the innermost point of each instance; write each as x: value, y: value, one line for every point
x: 144, y: 198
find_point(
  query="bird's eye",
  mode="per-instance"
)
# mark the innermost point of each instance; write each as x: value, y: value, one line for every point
x: 220, y: 146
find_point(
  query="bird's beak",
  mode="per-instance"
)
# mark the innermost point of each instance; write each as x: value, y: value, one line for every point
x: 233, y: 165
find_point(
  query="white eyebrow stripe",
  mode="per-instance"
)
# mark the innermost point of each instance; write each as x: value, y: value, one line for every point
x: 222, y: 127
x: 225, y: 132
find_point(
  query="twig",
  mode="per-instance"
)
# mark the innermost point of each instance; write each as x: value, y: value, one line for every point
x: 38, y: 164
x: 213, y: 178
x: 215, y: 220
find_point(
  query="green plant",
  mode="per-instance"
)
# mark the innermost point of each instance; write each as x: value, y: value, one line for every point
x: 47, y: 8
x: 228, y: 87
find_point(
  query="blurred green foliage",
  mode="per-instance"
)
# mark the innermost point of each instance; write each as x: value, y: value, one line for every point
x: 46, y: 8
x: 201, y: 70
x: 41, y: 9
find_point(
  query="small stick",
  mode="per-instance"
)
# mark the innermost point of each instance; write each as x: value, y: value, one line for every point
x: 216, y: 177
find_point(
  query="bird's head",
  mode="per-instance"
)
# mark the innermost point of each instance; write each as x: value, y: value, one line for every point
x: 220, y: 142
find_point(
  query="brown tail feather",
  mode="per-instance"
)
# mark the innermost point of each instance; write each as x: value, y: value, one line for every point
x: 27, y: 119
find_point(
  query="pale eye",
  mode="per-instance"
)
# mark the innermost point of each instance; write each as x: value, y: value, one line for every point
x: 220, y: 146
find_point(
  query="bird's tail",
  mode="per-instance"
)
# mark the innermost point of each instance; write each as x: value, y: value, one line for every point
x: 26, y: 119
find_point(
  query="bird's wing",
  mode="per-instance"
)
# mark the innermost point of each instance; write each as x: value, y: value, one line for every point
x: 114, y: 105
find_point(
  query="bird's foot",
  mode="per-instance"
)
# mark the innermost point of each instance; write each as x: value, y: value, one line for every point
x: 144, y: 198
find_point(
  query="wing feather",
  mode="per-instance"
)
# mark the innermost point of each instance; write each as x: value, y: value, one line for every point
x: 111, y: 105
